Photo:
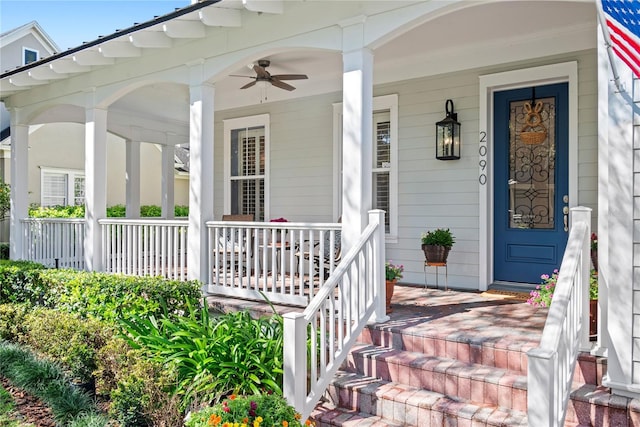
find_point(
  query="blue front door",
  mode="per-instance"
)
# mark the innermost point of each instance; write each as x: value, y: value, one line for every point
x: 531, y: 189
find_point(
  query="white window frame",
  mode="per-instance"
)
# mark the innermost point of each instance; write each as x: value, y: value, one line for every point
x: 385, y: 102
x: 242, y: 123
x: 24, y: 54
x: 71, y: 174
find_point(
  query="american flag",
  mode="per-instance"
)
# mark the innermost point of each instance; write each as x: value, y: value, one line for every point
x: 623, y: 27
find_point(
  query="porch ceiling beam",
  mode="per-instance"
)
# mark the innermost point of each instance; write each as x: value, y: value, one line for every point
x: 150, y: 39
x: 68, y: 65
x: 24, y: 79
x: 182, y: 29
x: 46, y: 73
x: 119, y: 49
x: 266, y: 6
x: 92, y: 57
x: 6, y: 87
x: 221, y: 17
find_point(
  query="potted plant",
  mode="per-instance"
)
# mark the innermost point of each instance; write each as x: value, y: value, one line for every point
x: 542, y: 296
x: 393, y: 272
x: 436, y: 245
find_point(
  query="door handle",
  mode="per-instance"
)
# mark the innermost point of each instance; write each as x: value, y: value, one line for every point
x: 565, y: 211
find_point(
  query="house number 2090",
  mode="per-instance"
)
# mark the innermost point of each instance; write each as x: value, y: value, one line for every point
x: 483, y: 158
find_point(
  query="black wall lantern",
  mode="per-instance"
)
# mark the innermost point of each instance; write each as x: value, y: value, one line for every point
x: 448, y: 135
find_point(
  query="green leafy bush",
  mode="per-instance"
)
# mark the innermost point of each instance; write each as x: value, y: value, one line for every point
x: 4, y: 251
x: 140, y: 389
x: 257, y: 410
x: 67, y: 339
x: 12, y: 321
x: 115, y: 211
x: 20, y: 282
x: 110, y: 296
x: 214, y: 357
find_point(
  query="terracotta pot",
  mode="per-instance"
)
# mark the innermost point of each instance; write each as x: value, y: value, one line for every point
x: 593, y: 319
x: 391, y: 284
x: 435, y: 253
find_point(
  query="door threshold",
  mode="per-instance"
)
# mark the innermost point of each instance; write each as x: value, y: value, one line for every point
x: 512, y: 286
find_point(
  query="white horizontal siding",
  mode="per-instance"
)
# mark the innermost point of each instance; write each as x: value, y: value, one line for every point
x: 432, y: 193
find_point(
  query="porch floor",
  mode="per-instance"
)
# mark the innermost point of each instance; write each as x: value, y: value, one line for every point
x: 464, y: 316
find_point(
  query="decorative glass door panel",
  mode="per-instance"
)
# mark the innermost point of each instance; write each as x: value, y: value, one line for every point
x: 532, y: 170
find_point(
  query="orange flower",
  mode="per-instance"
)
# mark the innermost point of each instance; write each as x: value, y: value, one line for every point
x: 214, y: 420
x: 245, y: 420
x: 308, y: 423
x: 297, y: 416
x: 232, y: 397
x: 285, y: 423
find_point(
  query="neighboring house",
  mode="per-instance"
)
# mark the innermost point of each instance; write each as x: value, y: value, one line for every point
x: 360, y: 132
x: 56, y: 163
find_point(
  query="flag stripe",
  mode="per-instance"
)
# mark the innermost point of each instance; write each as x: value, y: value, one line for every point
x: 622, y: 49
x: 634, y: 67
x: 625, y: 42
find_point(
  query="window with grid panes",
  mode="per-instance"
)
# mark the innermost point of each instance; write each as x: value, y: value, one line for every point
x: 61, y: 188
x: 248, y: 172
x: 382, y: 164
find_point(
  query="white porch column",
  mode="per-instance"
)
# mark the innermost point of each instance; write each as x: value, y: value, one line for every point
x: 133, y: 178
x: 357, y: 135
x: 168, y: 181
x: 95, y: 169
x: 602, y: 229
x: 19, y: 182
x: 200, y: 175
x: 623, y: 304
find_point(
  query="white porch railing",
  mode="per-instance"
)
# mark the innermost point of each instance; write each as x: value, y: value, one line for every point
x: 286, y: 261
x: 145, y: 247
x: 317, y: 341
x: 566, y: 331
x: 54, y: 242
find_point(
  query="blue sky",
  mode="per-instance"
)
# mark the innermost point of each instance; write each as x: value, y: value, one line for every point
x: 69, y: 23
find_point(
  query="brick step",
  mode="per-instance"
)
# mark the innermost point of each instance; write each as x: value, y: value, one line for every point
x: 471, y: 382
x: 355, y: 399
x: 503, y: 352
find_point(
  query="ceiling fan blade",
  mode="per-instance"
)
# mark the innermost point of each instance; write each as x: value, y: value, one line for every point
x: 281, y: 85
x: 290, y: 76
x: 248, y: 85
x: 261, y: 72
x: 238, y: 75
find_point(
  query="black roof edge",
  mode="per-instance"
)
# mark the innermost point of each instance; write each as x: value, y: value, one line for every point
x: 134, y: 28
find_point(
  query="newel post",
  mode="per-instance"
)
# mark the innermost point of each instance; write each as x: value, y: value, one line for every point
x: 376, y: 216
x: 295, y: 360
x: 582, y: 214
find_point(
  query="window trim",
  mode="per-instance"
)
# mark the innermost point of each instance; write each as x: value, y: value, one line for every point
x: 71, y: 175
x: 241, y: 123
x: 24, y: 54
x: 384, y: 102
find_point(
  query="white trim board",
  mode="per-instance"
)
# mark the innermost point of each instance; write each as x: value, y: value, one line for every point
x: 490, y: 83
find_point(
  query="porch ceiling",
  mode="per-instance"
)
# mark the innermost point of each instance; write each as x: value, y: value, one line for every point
x: 466, y: 35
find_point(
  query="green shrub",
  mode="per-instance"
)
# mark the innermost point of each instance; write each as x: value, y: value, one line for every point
x: 115, y: 211
x: 12, y: 321
x: 89, y: 420
x: 20, y: 282
x: 110, y: 296
x: 140, y: 389
x: 233, y: 353
x: 56, y: 211
x: 67, y: 339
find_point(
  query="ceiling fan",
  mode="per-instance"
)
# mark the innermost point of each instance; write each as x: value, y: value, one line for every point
x: 262, y: 75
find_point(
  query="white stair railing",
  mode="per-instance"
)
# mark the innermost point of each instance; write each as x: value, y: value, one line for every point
x: 317, y: 341
x: 145, y: 247
x: 566, y: 331
x: 54, y: 242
